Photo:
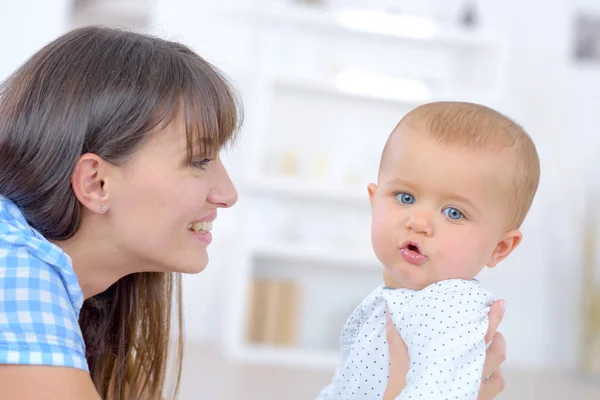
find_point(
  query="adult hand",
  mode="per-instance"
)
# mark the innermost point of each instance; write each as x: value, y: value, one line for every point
x: 493, y: 380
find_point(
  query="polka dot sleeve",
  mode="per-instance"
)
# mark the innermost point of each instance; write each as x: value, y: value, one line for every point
x: 444, y: 328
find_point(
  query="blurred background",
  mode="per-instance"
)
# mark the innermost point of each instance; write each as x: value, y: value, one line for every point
x: 323, y: 82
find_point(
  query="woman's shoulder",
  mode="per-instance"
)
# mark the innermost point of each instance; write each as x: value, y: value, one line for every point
x: 11, y: 217
x: 25, y: 253
x: 40, y: 298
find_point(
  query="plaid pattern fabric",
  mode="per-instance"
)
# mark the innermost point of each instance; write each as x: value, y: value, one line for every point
x: 40, y: 297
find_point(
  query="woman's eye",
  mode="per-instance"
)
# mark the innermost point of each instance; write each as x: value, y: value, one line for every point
x: 201, y: 163
x: 405, y: 198
x: 452, y: 213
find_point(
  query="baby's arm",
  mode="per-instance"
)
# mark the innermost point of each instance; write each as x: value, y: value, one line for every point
x: 444, y: 329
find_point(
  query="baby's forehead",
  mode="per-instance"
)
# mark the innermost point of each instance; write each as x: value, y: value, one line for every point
x: 408, y: 138
x: 483, y: 175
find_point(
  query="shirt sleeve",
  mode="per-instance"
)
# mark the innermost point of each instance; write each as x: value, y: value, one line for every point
x: 444, y: 329
x: 38, y: 322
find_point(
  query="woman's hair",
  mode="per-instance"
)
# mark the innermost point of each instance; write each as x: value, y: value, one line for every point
x: 104, y: 91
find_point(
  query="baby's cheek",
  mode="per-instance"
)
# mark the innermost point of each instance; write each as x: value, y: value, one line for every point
x: 460, y: 261
x: 381, y: 237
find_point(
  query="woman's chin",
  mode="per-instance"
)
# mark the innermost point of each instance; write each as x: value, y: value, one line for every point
x: 196, y: 266
x: 191, y: 262
x: 194, y: 270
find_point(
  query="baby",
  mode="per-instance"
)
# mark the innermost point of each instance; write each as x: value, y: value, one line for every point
x: 455, y: 183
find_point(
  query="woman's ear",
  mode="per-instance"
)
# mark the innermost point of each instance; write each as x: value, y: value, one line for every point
x: 89, y: 182
x: 509, y: 242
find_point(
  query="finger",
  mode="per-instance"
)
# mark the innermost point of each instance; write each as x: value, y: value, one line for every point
x: 495, y: 317
x: 399, y: 360
x: 492, y: 387
x: 396, y: 343
x: 495, y: 355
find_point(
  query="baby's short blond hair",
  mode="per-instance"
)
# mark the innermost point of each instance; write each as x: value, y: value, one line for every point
x: 479, y: 127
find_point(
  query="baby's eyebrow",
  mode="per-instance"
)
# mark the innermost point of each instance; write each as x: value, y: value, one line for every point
x: 462, y: 199
x: 400, y: 181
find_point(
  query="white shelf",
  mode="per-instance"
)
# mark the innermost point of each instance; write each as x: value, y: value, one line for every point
x: 373, y: 23
x: 292, y: 357
x: 317, y: 255
x: 401, y: 92
x: 332, y: 88
x: 290, y: 188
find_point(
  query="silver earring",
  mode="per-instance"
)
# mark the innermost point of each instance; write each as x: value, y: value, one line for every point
x: 102, y: 208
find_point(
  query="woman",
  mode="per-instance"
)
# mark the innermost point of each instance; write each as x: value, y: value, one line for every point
x: 110, y: 179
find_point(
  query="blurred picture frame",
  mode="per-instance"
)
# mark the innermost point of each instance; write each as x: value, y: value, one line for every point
x: 586, y: 36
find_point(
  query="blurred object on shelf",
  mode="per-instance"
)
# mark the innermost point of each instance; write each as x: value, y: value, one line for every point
x: 273, y: 316
x: 289, y: 164
x: 591, y: 295
x: 469, y: 14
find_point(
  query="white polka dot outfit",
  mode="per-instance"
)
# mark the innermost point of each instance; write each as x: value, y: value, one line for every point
x: 443, y: 325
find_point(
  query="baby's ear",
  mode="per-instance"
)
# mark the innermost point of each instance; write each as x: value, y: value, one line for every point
x: 371, y: 188
x: 509, y: 242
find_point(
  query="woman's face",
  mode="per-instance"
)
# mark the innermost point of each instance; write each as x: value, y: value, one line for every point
x: 163, y: 207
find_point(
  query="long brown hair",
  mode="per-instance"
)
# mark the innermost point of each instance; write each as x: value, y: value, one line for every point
x: 100, y: 90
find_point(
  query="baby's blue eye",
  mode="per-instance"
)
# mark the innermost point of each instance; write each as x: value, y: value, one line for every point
x: 405, y: 198
x: 452, y: 213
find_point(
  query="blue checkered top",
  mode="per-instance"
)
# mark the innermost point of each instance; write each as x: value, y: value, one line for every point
x: 40, y: 297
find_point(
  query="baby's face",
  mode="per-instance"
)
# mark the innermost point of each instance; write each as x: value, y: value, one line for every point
x: 438, y: 211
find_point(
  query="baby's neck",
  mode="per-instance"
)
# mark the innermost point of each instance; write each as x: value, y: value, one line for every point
x: 389, y: 281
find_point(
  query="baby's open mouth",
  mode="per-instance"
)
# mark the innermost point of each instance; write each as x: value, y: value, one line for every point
x: 414, y: 248
x: 412, y: 253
